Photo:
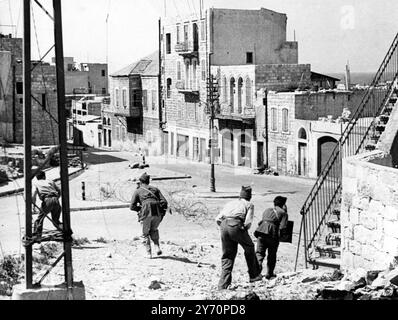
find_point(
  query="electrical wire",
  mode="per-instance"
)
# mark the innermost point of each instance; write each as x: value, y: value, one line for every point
x: 43, y: 80
x: 10, y: 11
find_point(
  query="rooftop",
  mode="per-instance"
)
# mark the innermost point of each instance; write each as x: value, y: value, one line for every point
x: 148, y: 66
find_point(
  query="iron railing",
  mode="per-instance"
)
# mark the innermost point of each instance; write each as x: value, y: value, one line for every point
x: 326, y: 193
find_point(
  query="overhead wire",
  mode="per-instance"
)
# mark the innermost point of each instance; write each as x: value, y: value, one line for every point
x: 11, y: 18
x: 43, y: 80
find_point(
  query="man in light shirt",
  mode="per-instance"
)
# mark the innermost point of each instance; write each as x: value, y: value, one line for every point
x: 49, y: 194
x: 235, y: 220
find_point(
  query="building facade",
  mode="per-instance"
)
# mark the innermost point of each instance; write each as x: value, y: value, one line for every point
x: 85, y: 78
x: 44, y: 96
x: 243, y: 39
x: 131, y: 118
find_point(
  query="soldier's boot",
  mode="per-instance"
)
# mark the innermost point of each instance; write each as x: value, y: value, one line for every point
x: 157, y: 248
x: 148, y: 249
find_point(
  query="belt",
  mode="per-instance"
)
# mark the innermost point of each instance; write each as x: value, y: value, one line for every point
x: 233, y: 218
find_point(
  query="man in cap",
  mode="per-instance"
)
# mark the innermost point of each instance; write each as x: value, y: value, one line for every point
x: 49, y: 194
x: 235, y: 220
x: 151, y: 206
x: 273, y: 220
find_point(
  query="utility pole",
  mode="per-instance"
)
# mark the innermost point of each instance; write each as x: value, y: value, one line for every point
x: 27, y: 122
x: 211, y: 129
x: 59, y: 57
x: 266, y: 136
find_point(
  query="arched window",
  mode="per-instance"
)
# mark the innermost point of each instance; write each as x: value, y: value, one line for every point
x: 240, y: 91
x: 285, y: 120
x: 225, y: 89
x: 248, y: 92
x: 274, y: 119
x: 117, y: 98
x: 124, y: 97
x: 178, y: 70
x: 232, y: 93
x: 302, y: 134
x: 187, y: 77
x: 109, y: 121
x: 169, y: 83
x: 194, y: 65
x: 104, y: 121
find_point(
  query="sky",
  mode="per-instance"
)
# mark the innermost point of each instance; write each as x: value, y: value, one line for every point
x: 329, y: 33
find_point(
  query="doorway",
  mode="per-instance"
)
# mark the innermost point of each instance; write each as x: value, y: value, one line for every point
x: 302, y: 160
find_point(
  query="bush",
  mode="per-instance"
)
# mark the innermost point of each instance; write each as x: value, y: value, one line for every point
x: 10, y: 270
x: 78, y: 242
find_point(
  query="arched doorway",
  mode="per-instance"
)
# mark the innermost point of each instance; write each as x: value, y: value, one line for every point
x: 326, y: 146
x: 302, y: 153
x: 245, y: 157
x: 228, y: 147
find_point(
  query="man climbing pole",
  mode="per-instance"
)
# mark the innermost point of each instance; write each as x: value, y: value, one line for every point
x: 49, y: 194
x: 151, y: 206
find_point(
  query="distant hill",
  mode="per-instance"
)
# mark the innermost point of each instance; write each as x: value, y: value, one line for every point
x: 361, y: 78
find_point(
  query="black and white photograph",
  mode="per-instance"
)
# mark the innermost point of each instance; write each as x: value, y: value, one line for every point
x: 213, y: 153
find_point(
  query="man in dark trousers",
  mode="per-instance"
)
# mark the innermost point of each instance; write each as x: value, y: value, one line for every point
x: 235, y: 220
x: 49, y: 194
x: 267, y: 233
x: 151, y: 206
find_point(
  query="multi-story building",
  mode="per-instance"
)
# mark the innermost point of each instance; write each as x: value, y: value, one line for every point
x: 85, y: 78
x: 44, y: 96
x: 249, y: 54
x: 131, y: 120
x: 246, y: 49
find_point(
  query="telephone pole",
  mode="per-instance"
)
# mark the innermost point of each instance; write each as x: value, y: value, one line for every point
x: 211, y: 129
x: 59, y: 58
x: 27, y: 122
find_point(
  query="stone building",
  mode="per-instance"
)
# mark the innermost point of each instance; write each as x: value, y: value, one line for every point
x: 44, y: 96
x: 131, y: 120
x: 304, y: 128
x: 252, y: 39
x: 85, y: 78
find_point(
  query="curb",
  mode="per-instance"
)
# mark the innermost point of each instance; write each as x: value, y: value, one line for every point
x: 20, y: 190
x: 109, y: 207
x: 217, y: 197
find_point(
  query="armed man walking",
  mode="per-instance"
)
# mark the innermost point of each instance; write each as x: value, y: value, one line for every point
x: 49, y: 194
x: 235, y: 219
x: 268, y: 232
x: 151, y: 206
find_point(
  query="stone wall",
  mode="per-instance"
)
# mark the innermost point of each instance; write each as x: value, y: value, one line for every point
x: 275, y: 77
x: 262, y: 32
x: 369, y: 214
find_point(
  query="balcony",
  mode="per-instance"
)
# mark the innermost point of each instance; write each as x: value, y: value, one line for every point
x: 192, y: 89
x: 227, y: 113
x: 187, y: 49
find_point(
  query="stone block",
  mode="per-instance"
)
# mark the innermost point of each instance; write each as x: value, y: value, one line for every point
x: 364, y: 203
x: 391, y: 246
x: 347, y: 260
x: 354, y: 216
x: 367, y: 220
x: 350, y: 185
x: 361, y: 234
x: 391, y: 229
x: 49, y: 293
x: 355, y: 247
x: 391, y: 213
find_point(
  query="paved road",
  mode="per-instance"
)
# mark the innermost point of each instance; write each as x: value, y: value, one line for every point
x: 120, y: 224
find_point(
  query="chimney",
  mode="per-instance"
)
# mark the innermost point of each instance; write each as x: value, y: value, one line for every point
x: 347, y: 76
